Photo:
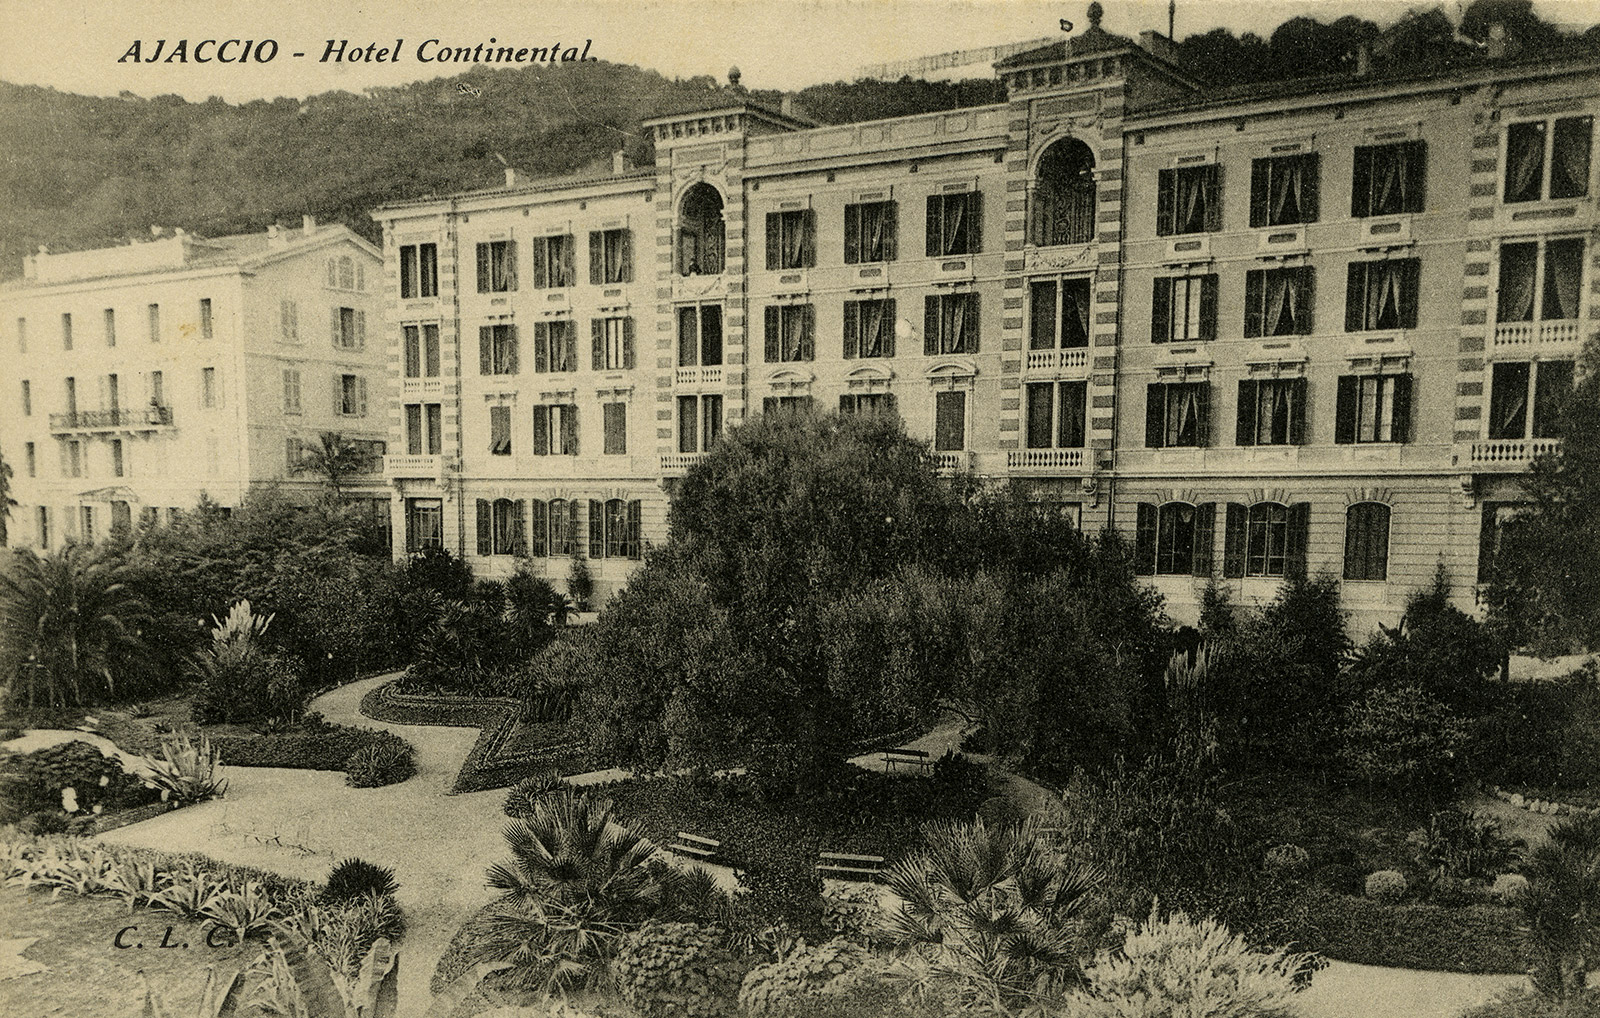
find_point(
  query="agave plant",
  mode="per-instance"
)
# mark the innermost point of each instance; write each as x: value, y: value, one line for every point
x: 241, y: 912
x: 186, y: 772
x: 135, y: 881
x: 188, y: 892
x: 991, y: 915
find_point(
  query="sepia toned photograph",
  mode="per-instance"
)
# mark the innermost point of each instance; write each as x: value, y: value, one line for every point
x: 800, y: 509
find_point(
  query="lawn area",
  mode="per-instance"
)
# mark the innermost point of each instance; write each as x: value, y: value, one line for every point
x: 87, y: 975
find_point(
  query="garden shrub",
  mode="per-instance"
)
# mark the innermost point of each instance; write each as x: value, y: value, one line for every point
x: 852, y: 913
x: 960, y: 775
x: 1286, y: 859
x: 38, y: 781
x: 44, y: 822
x: 1365, y: 931
x: 1509, y: 887
x: 580, y: 583
x: 1405, y: 740
x: 185, y: 772
x: 666, y: 968
x: 1437, y: 648
x: 1386, y: 885
x: 1458, y: 843
x: 785, y: 892
x: 524, y: 794
x: 309, y: 746
x: 1562, y: 906
x: 385, y: 762
x: 789, y: 985
x: 352, y: 878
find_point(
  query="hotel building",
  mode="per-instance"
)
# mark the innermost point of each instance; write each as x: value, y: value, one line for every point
x: 1314, y: 322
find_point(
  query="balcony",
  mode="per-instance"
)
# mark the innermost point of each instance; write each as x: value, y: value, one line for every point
x: 1045, y: 460
x: 700, y: 376
x: 951, y: 462
x: 1522, y: 335
x: 1509, y: 453
x: 144, y: 419
x: 1058, y: 360
x: 678, y: 463
x: 422, y: 387
x: 413, y: 467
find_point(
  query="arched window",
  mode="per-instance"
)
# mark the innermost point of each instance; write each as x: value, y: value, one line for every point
x: 1366, y: 541
x: 563, y: 526
x: 700, y: 238
x: 1064, y: 195
x: 510, y: 528
x: 1266, y: 539
x: 1175, y: 539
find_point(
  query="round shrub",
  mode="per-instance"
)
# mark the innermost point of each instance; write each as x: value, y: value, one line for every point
x: 1286, y: 859
x: 524, y: 794
x: 44, y: 822
x: 352, y: 878
x: 998, y: 811
x: 1386, y: 885
x: 678, y: 969
x: 783, y: 987
x: 1338, y: 878
x: 382, y: 763
x: 1509, y: 887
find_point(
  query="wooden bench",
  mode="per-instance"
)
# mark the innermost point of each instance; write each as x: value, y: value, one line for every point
x: 857, y: 867
x: 915, y: 757
x: 695, y: 845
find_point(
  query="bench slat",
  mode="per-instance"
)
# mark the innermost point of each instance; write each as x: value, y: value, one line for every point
x: 852, y: 858
x: 695, y: 837
x: 692, y: 850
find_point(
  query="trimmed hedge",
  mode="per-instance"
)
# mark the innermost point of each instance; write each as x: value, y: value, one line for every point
x: 388, y: 703
x: 1470, y: 938
x: 326, y: 750
x: 488, y: 765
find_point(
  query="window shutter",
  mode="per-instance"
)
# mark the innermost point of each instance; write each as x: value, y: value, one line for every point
x: 625, y: 255
x: 1259, y: 200
x: 890, y: 319
x: 1416, y: 175
x: 774, y: 244
x: 597, y: 346
x: 513, y: 363
x: 808, y: 238
x: 852, y: 323
x: 930, y: 324
x: 974, y: 318
x: 541, y: 431
x: 1344, y: 415
x: 769, y: 404
x: 338, y: 394
x: 1310, y: 195
x: 1144, y: 542
x: 1235, y: 536
x: 569, y: 335
x: 1245, y: 433
x: 1355, y: 297
x: 1297, y: 411
x: 539, y: 528
x: 1255, y: 285
x: 541, y: 263
x: 361, y: 330
x: 1161, y: 310
x: 597, y: 529
x: 1401, y: 430
x: 890, y: 405
x: 485, y: 349
x: 1488, y: 532
x: 635, y: 529
x: 1213, y: 193
x: 891, y: 230
x: 361, y: 395
x: 569, y: 254
x: 1203, y: 414
x: 336, y: 334
x: 935, y: 248
x: 1355, y: 542
x: 519, y: 527
x: 1155, y: 415
x: 974, y: 222
x: 1208, y: 306
x: 1361, y: 183
x: 1306, y: 280
x: 808, y: 332
x: 569, y: 429
x: 627, y: 343
x: 570, y: 547
x: 597, y: 258
x: 483, y: 268
x: 1205, y: 539
x: 1299, y: 536
x: 485, y: 528
x: 1166, y: 198
x: 1410, y: 291
x: 541, y: 346
x: 847, y: 403
x: 852, y: 233
x: 770, y: 352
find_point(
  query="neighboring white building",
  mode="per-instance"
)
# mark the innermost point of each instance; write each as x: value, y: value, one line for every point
x: 139, y: 378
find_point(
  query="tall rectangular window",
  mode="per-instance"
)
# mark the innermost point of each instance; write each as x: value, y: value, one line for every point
x: 423, y: 431
x: 869, y: 328
x: 33, y: 460
x: 955, y: 224
x: 1272, y: 411
x: 791, y: 239
x: 87, y: 512
x: 1540, y: 281
x: 289, y: 320
x: 614, y: 422
x: 555, y: 430
x: 1175, y: 539
x: 1366, y: 541
x: 1283, y: 190
x: 27, y: 398
x: 113, y: 393
x: 1526, y: 398
x: 950, y: 420
x: 153, y: 317
x: 419, y: 271
x: 44, y: 526
x: 350, y: 396
x: 1058, y: 313
x: 554, y: 262
x: 424, y: 524
x: 699, y: 422
x: 1189, y: 200
x: 497, y: 350
x: 500, y: 430
x: 555, y: 346
x: 497, y: 266
x: 610, y: 257
x: 1279, y: 302
x: 208, y: 387
x: 116, y: 457
x: 1389, y: 179
x: 950, y: 324
x: 349, y: 328
x: 1382, y: 295
x: 291, y: 390
x: 421, y: 350
x: 790, y: 331
x: 158, y: 389
x: 1373, y: 408
x: 870, y: 232
x: 611, y: 344
x: 70, y: 386
x: 1177, y: 414
x: 22, y: 335
x: 1056, y: 415
x: 700, y: 335
x: 74, y: 458
x: 1184, y: 309
x: 111, y: 326
x: 1544, y: 161
x: 207, y: 327
x: 66, y: 330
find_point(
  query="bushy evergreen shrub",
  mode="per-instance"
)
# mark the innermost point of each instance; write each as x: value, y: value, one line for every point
x: 352, y: 878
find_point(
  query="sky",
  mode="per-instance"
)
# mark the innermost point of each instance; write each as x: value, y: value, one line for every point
x: 74, y: 45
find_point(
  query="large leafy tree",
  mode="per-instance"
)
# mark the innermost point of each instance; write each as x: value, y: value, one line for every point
x: 333, y: 459
x: 70, y: 627
x: 1544, y: 590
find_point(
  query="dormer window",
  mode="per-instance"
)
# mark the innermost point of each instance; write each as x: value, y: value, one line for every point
x: 1064, y: 195
x: 700, y: 232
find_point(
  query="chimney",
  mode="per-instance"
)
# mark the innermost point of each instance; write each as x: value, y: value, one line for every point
x: 308, y: 224
x: 511, y: 176
x: 1363, y: 60
x: 619, y: 162
x: 1498, y: 43
x: 787, y: 106
x: 733, y: 79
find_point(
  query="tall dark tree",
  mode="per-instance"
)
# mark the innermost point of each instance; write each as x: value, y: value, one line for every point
x: 7, y: 503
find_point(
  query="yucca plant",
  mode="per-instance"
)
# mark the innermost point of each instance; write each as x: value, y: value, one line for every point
x: 241, y: 912
x: 188, y: 893
x: 135, y: 881
x: 186, y: 772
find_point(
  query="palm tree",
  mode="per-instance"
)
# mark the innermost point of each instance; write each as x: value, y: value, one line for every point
x: 69, y: 626
x: 333, y: 460
x: 991, y: 914
x: 7, y: 503
x: 1562, y: 905
x: 577, y: 881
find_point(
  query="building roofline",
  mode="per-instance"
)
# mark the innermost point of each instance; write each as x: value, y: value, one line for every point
x: 624, y: 183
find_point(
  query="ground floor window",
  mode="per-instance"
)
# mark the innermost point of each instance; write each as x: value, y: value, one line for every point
x: 614, y: 528
x: 502, y: 527
x: 1366, y: 541
x: 1175, y: 539
x: 1265, y: 539
x: 424, y: 524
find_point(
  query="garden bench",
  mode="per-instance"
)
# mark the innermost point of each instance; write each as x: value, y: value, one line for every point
x: 695, y: 845
x: 869, y: 867
x: 915, y: 757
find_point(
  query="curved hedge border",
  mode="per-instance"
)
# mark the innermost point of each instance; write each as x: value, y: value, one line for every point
x: 387, y: 703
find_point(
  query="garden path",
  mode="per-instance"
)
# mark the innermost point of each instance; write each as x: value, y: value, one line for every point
x: 1343, y: 990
